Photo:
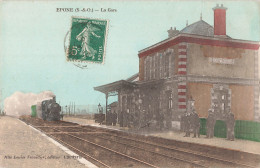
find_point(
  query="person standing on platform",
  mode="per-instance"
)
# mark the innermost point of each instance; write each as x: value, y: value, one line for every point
x: 210, y: 124
x: 195, y: 123
x: 230, y: 125
x: 186, y: 120
x: 193, y: 118
x: 114, y: 118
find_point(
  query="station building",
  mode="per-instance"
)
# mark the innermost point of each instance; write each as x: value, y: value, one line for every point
x: 200, y: 61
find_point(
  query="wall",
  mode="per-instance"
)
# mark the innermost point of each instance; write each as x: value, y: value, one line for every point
x: 201, y: 93
x: 242, y: 102
x: 141, y: 68
x: 176, y: 60
x: 173, y: 63
x: 199, y: 64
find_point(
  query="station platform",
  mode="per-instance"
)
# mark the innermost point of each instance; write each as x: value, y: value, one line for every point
x: 237, y: 144
x: 22, y: 146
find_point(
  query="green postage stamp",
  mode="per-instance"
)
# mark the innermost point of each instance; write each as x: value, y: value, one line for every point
x: 87, y: 40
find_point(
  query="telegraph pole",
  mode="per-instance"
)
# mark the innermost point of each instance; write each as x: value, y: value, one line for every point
x: 74, y: 109
x: 69, y: 108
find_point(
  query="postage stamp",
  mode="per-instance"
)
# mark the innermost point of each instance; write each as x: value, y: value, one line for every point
x: 87, y: 40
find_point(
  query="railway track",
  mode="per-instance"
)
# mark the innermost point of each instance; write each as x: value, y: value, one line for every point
x: 192, y: 157
x: 128, y: 150
x: 59, y: 136
x: 110, y: 157
x: 133, y: 152
x: 98, y: 162
x: 227, y: 156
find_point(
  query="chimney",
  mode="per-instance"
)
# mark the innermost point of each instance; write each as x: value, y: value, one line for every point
x: 172, y: 33
x: 220, y: 20
x: 54, y: 98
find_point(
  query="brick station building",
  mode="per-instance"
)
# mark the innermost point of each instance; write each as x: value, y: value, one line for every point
x: 199, y: 61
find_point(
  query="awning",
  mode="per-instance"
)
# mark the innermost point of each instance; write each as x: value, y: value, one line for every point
x: 154, y: 82
x: 115, y: 86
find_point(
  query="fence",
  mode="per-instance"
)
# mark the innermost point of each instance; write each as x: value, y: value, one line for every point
x: 248, y: 130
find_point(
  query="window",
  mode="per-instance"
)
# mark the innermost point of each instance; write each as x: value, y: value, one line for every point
x: 159, y: 65
x: 147, y: 68
x: 167, y: 65
x: 124, y: 103
x: 153, y: 67
x: 129, y: 102
x: 150, y: 68
x: 172, y: 64
x: 169, y: 97
x: 163, y: 66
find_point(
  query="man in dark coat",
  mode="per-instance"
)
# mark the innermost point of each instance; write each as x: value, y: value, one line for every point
x: 191, y: 119
x: 186, y: 124
x: 109, y: 118
x: 210, y: 124
x: 195, y: 123
x: 114, y: 118
x: 230, y: 125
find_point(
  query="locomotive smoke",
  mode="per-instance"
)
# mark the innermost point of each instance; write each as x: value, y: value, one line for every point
x: 20, y: 103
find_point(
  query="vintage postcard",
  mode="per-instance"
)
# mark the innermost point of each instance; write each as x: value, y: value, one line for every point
x: 116, y: 84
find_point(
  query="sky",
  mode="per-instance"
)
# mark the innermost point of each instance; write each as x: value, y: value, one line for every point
x: 32, y: 57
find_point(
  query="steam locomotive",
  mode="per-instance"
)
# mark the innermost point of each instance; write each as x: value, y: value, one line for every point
x: 49, y: 110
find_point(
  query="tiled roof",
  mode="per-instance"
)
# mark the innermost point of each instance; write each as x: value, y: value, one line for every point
x: 199, y: 28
